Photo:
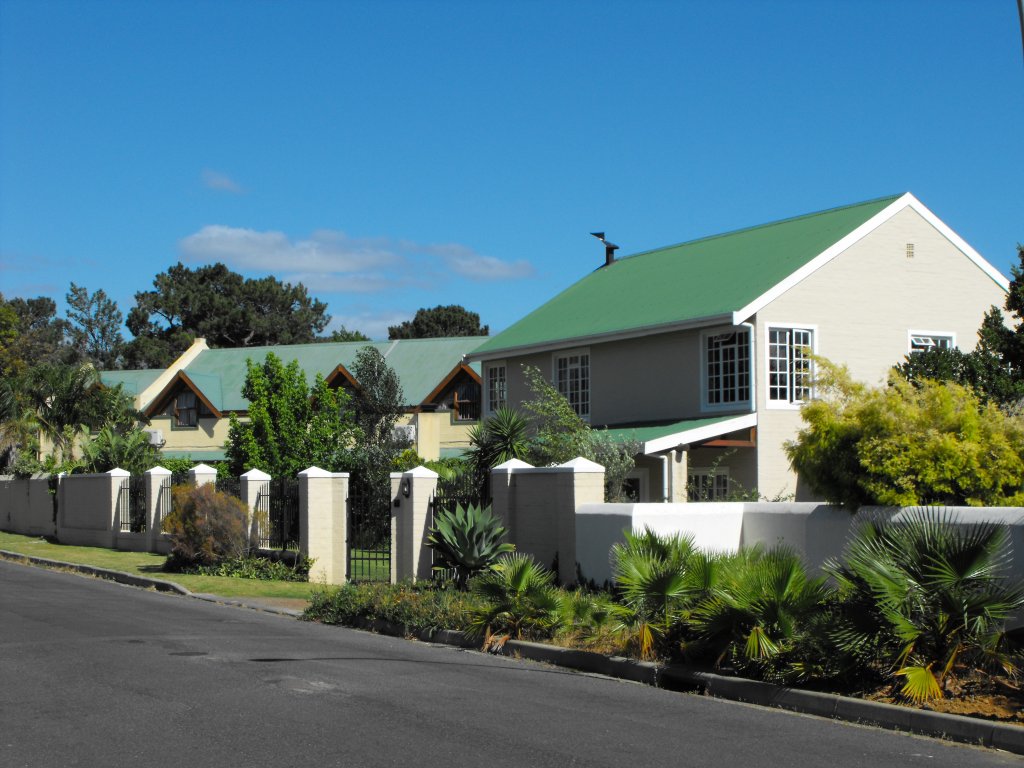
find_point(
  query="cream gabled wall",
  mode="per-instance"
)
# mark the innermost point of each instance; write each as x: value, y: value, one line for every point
x: 210, y: 435
x: 862, y: 305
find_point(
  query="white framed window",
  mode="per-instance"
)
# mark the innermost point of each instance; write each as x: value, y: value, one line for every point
x: 726, y: 368
x: 496, y: 381
x: 921, y: 341
x: 707, y: 483
x: 790, y: 367
x: 572, y: 380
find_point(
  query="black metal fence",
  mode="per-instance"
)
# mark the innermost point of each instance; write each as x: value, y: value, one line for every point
x: 131, y: 504
x: 232, y: 486
x: 369, y: 528
x: 277, y: 514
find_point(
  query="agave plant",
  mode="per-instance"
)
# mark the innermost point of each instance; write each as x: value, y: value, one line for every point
x: 520, y: 600
x: 925, y: 596
x: 468, y: 540
x: 761, y: 617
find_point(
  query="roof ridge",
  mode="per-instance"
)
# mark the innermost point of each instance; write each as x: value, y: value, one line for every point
x: 766, y: 225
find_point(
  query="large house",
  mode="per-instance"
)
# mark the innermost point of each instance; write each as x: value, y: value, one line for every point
x: 700, y: 351
x: 189, y: 404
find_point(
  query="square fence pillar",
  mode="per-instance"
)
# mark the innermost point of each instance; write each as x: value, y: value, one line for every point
x: 250, y: 485
x: 201, y: 474
x: 323, y: 500
x: 158, y: 504
x: 503, y: 494
x: 411, y: 514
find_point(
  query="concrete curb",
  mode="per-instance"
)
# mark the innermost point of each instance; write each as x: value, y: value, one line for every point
x: 967, y: 730
x: 678, y: 677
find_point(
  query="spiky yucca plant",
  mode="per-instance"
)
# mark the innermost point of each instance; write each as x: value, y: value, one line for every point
x: 468, y: 540
x: 926, y: 595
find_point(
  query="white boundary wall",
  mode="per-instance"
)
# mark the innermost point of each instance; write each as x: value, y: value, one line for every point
x: 26, y: 505
x: 816, y: 531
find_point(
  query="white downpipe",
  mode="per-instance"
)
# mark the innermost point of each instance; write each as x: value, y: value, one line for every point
x: 753, y: 366
x: 666, y: 467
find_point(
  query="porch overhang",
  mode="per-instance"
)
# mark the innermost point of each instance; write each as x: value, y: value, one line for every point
x: 664, y: 436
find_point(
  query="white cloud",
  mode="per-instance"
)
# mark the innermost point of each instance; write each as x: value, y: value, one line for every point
x: 332, y: 261
x: 221, y: 182
x: 325, y: 251
x: 468, y: 263
x: 373, y: 324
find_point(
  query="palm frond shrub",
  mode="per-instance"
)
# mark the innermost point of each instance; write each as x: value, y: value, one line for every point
x: 520, y: 600
x: 761, y: 618
x: 468, y: 540
x: 658, y: 580
x: 926, y: 596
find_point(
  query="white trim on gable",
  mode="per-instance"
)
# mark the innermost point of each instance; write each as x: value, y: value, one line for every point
x: 905, y: 201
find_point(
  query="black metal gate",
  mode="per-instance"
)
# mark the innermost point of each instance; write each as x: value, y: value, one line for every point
x: 369, y: 528
x: 277, y: 509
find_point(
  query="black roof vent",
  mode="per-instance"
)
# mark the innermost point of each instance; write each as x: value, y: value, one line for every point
x: 609, y: 248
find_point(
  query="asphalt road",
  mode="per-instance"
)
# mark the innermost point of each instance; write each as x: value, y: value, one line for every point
x: 96, y: 674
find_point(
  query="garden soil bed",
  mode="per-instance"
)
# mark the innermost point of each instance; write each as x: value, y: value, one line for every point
x: 995, y: 698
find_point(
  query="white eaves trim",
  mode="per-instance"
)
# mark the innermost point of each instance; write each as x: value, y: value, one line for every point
x: 698, y: 434
x: 869, y: 226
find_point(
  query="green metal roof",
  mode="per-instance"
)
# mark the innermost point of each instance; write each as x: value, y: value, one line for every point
x: 703, y: 278
x: 685, y: 431
x: 420, y: 364
x: 195, y: 455
x: 133, y: 382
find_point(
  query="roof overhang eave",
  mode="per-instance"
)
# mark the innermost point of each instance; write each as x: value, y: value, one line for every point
x: 597, y: 338
x: 709, y: 432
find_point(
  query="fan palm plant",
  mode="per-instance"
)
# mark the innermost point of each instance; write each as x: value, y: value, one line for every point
x: 926, y: 595
x: 520, y: 600
x: 760, y: 616
x: 659, y: 579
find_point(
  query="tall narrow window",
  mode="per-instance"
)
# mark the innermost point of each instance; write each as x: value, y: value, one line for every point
x: 572, y: 379
x: 727, y: 367
x: 186, y: 409
x: 497, y: 394
x: 789, y: 364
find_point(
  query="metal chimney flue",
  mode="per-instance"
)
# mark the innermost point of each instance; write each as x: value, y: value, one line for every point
x: 609, y: 248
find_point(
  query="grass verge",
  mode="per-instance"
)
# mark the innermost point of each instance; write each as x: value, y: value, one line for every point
x: 150, y: 565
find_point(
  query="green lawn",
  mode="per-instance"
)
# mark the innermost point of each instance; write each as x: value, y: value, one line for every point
x: 150, y: 565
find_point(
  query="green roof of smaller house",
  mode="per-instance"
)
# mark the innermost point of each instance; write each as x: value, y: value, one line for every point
x: 420, y: 364
x: 706, y: 278
x: 133, y: 382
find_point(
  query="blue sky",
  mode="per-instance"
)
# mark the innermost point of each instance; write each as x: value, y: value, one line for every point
x: 396, y: 155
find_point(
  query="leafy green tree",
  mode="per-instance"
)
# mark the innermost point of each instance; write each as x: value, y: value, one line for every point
x: 560, y: 435
x: 221, y: 306
x: 32, y: 334
x: 290, y: 426
x: 903, y: 445
x: 441, y: 321
x: 995, y: 367
x: 379, y: 399
x: 94, y: 326
x: 925, y: 598
x: 344, y: 334
x: 128, y: 450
